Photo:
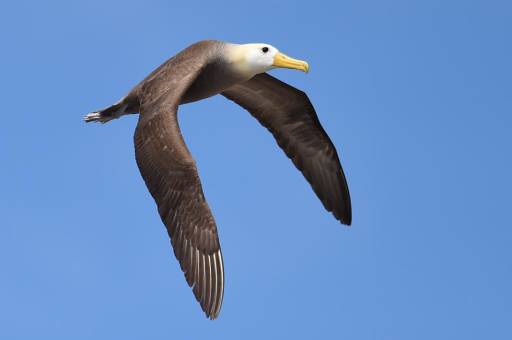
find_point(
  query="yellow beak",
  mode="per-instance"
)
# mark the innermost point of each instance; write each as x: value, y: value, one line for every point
x: 282, y: 60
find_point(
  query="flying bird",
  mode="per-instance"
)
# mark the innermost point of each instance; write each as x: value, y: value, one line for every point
x: 238, y: 72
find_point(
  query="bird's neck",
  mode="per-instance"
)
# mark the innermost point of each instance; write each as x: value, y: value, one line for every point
x: 235, y: 59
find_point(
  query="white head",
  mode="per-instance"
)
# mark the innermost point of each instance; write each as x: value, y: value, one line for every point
x: 252, y: 59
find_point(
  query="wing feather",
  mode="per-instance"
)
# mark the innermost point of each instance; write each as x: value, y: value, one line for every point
x: 171, y: 176
x: 289, y: 115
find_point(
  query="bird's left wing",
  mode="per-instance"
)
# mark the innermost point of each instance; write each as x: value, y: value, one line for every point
x: 170, y: 174
x: 288, y: 114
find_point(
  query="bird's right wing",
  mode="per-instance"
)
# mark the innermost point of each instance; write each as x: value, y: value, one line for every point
x: 170, y: 174
x: 288, y: 114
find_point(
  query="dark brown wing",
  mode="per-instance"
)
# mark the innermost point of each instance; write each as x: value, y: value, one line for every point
x: 171, y: 176
x: 288, y: 114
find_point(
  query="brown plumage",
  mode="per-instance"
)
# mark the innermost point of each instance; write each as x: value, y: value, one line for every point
x: 169, y: 171
x: 288, y: 114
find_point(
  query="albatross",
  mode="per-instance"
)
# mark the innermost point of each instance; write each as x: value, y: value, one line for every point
x: 237, y: 72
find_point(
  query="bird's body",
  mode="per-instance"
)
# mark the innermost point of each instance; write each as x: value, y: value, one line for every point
x: 237, y: 72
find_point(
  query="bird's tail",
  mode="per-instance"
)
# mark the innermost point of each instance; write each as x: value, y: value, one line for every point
x: 107, y: 114
x: 127, y: 105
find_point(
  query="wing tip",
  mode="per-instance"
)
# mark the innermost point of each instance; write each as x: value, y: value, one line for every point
x: 212, y: 316
x: 210, y: 294
x: 345, y: 220
x: 344, y: 211
x: 344, y: 215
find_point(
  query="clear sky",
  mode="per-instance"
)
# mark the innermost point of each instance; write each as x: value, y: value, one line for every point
x: 416, y: 96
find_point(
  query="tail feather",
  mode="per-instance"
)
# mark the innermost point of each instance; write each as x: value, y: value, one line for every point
x: 106, y: 115
x: 94, y: 117
x: 127, y: 105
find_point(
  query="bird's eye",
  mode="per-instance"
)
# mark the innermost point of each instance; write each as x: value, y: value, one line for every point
x: 265, y: 49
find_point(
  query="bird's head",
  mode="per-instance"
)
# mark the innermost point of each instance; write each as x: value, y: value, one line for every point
x: 252, y: 59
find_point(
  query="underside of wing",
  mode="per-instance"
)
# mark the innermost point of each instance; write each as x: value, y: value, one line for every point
x: 289, y: 115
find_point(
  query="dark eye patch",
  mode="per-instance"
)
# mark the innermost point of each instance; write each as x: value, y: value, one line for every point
x: 265, y: 49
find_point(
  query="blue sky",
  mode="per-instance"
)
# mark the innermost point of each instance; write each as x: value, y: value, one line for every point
x: 416, y: 97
